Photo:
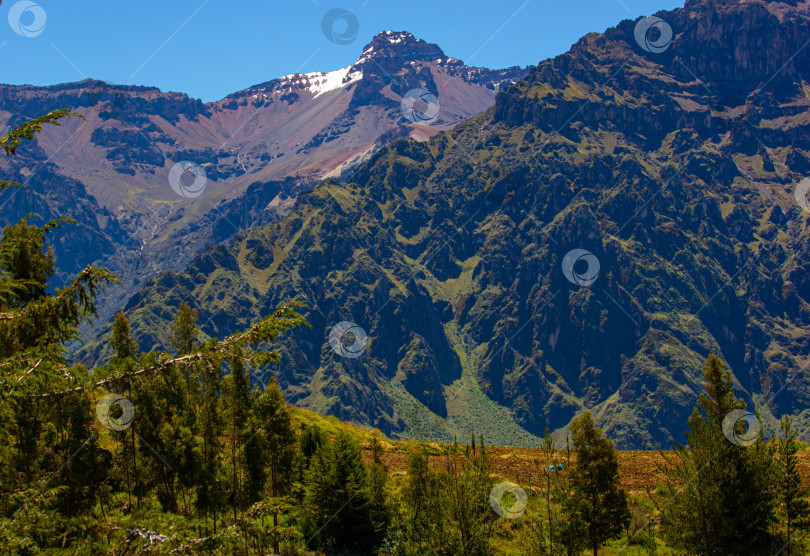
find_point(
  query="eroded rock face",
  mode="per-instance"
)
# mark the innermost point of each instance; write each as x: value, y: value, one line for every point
x: 616, y: 217
x: 729, y: 66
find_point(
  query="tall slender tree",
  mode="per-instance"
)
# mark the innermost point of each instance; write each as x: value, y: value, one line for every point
x: 422, y: 514
x: 791, y: 496
x: 467, y: 485
x: 184, y: 329
x: 595, y: 480
x: 720, y: 499
x: 237, y: 404
x: 271, y: 456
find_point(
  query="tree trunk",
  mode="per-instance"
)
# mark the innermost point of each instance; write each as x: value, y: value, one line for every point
x: 135, y: 467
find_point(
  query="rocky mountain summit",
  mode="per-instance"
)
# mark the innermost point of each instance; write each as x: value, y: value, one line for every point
x: 237, y: 163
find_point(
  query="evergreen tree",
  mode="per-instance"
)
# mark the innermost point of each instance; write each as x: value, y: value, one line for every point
x: 275, y: 445
x: 24, y: 261
x: 595, y: 480
x: 184, y: 329
x: 125, y: 349
x: 237, y: 401
x: 122, y: 343
x: 76, y: 447
x: 720, y: 500
x: 310, y: 439
x: 47, y: 447
x: 337, y: 502
x: 377, y: 487
x: 165, y: 428
x: 790, y: 494
x: 210, y: 489
x: 52, y: 469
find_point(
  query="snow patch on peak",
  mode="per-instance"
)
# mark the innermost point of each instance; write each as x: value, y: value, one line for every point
x: 319, y: 82
x: 396, y: 37
x: 333, y: 80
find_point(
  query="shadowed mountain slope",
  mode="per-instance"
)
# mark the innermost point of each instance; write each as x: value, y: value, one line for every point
x: 627, y: 209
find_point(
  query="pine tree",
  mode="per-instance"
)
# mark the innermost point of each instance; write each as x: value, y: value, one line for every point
x: 122, y: 343
x: 184, y: 329
x: 377, y: 487
x: 337, y: 502
x: 47, y: 447
x: 272, y: 463
x: 720, y: 500
x: 23, y: 259
x: 310, y: 439
x: 791, y: 495
x: 210, y: 490
x: 125, y: 350
x: 166, y: 431
x: 595, y: 480
x: 51, y: 463
x: 237, y: 401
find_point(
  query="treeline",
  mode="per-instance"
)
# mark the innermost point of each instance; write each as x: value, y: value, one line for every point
x: 180, y: 453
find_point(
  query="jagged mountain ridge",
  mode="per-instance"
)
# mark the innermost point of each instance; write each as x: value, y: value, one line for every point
x: 675, y: 170
x: 259, y: 148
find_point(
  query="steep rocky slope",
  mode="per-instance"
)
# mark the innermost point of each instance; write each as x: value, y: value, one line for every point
x: 630, y: 207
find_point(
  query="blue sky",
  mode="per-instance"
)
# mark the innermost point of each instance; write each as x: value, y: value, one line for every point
x: 211, y: 48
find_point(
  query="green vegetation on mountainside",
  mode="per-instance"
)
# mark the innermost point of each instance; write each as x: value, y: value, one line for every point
x: 449, y: 253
